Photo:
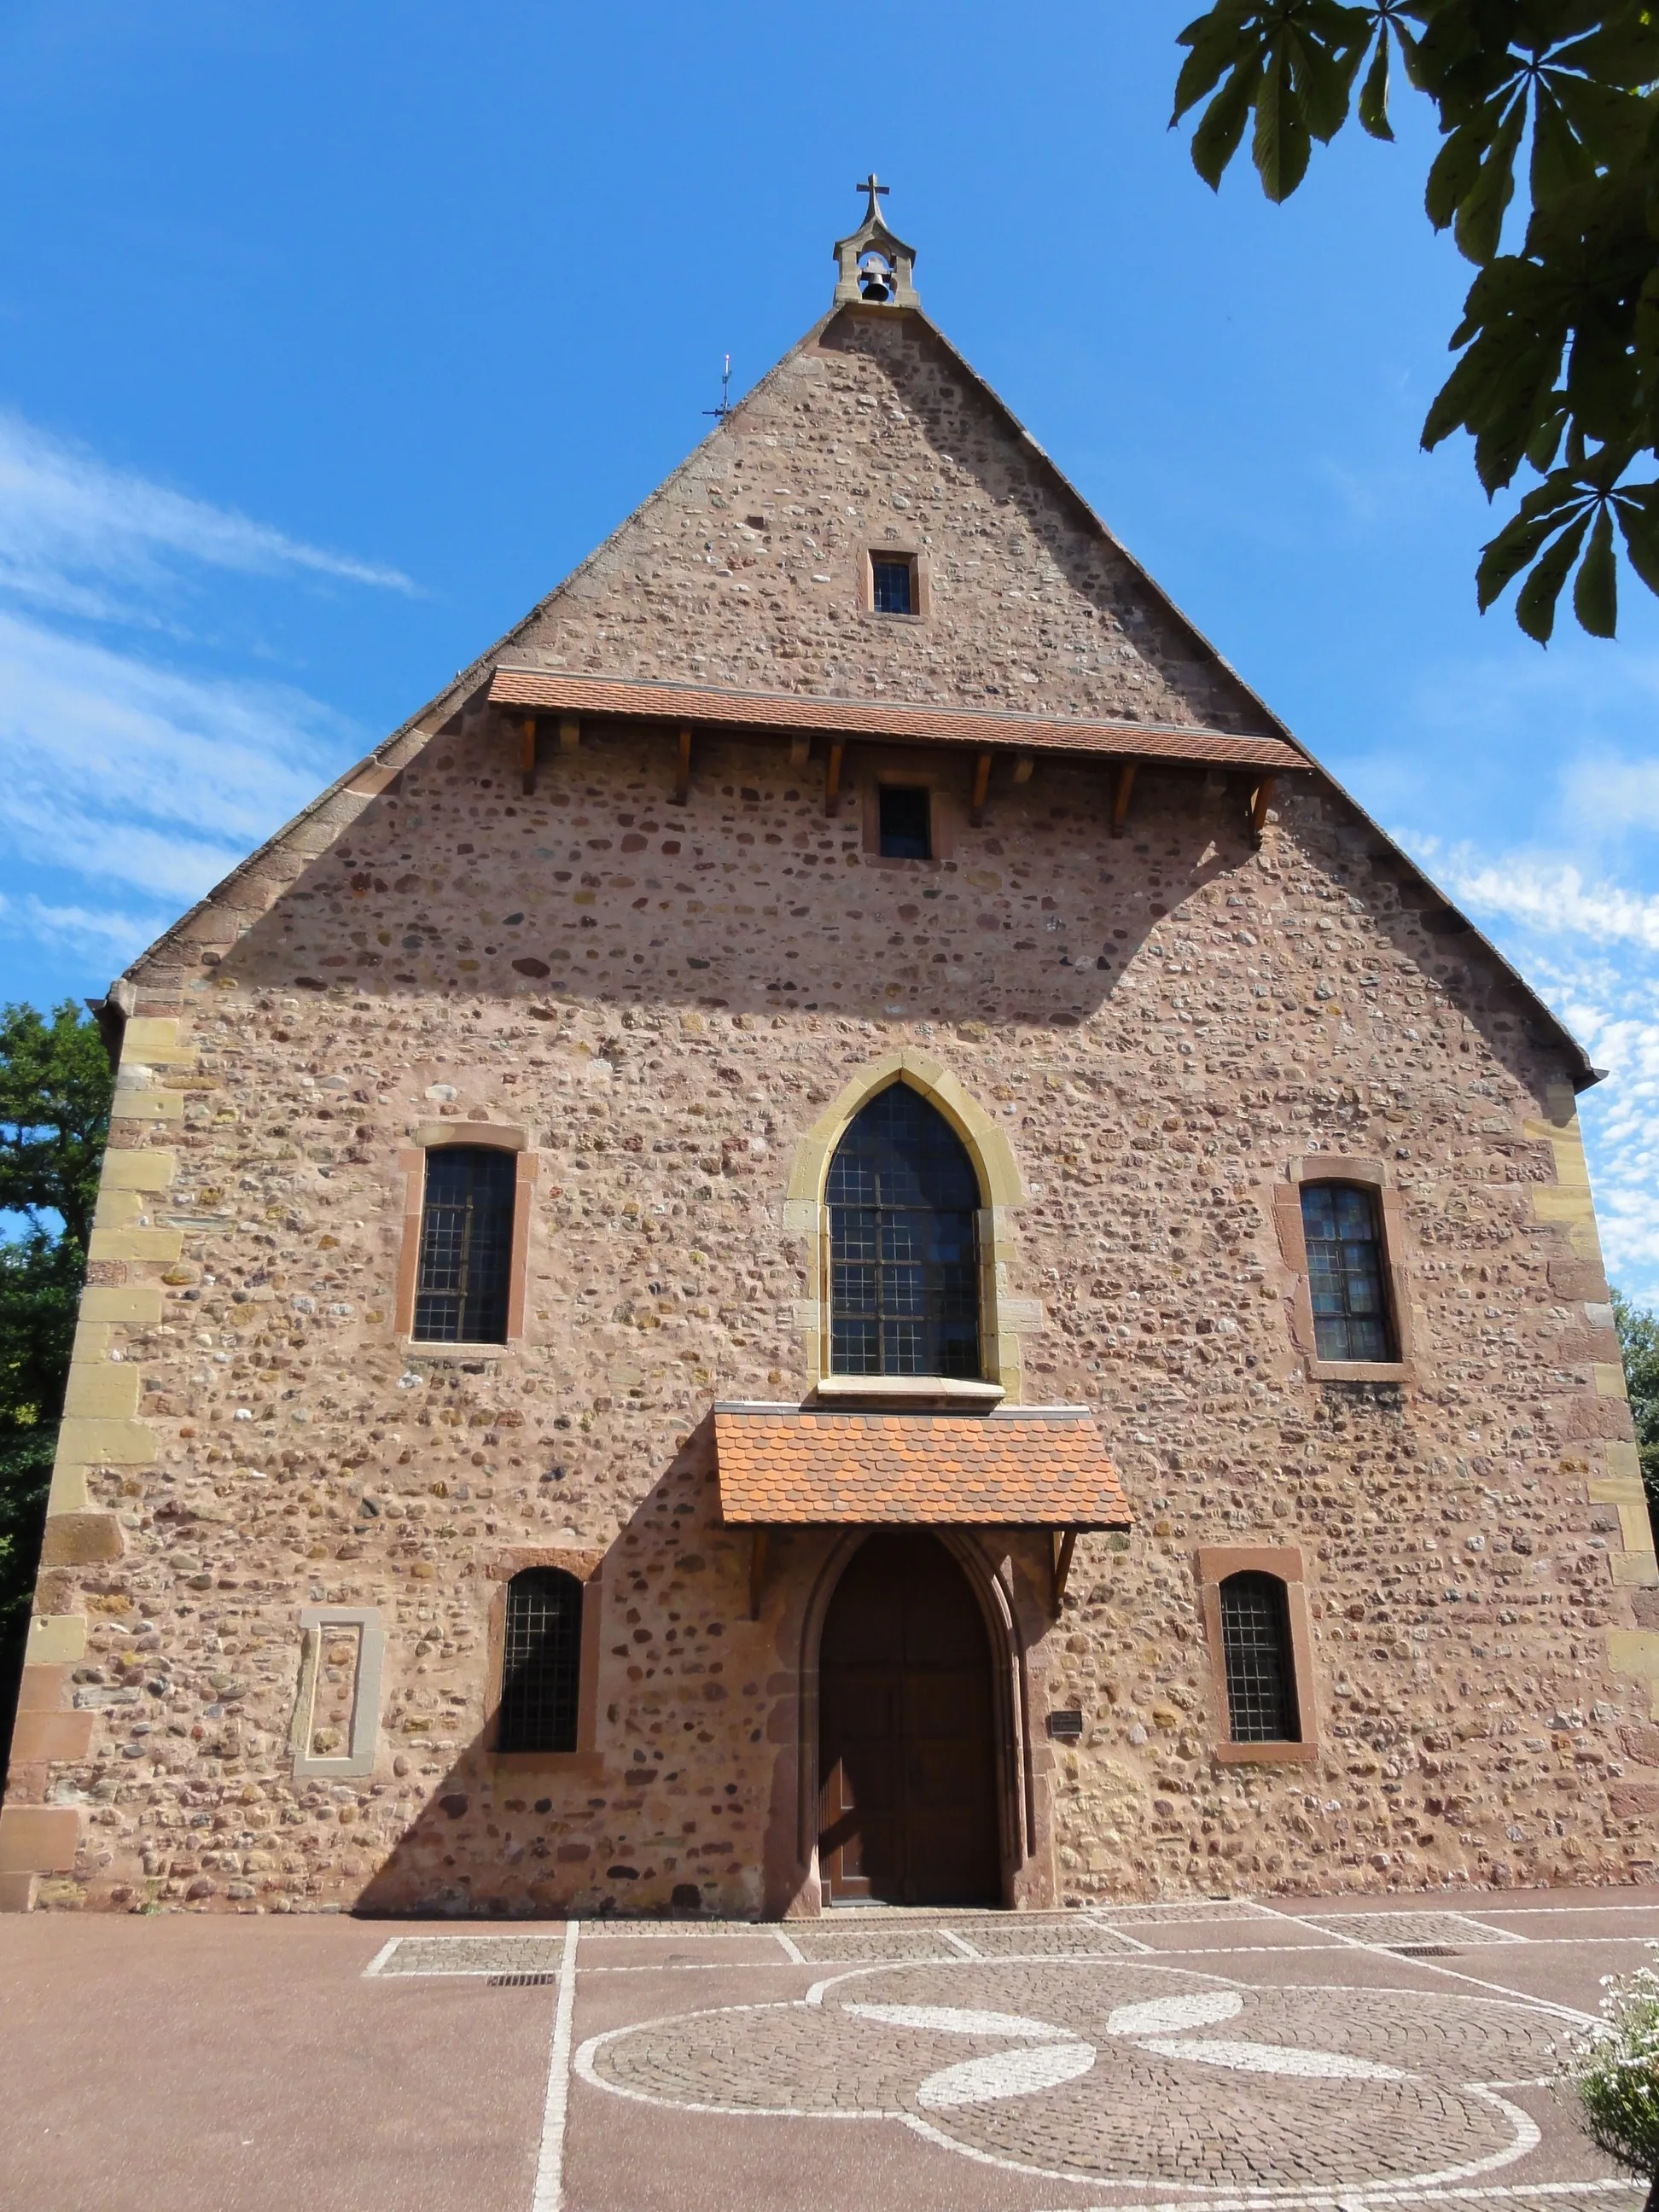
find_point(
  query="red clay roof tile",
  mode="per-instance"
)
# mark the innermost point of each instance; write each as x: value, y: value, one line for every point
x: 554, y: 691
x: 1014, y: 1465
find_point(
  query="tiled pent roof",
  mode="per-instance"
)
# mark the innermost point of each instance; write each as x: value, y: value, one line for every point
x: 1045, y: 1466
x: 552, y: 692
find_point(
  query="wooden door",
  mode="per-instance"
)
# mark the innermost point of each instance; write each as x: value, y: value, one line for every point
x: 907, y: 1799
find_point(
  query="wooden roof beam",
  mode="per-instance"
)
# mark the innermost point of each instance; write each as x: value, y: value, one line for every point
x: 981, y: 780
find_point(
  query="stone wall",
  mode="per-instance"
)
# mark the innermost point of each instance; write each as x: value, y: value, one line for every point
x: 663, y: 999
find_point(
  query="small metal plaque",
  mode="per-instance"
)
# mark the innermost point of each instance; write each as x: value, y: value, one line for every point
x: 1065, y: 1728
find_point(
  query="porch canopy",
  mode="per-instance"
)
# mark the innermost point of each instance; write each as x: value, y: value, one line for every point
x: 1042, y: 1466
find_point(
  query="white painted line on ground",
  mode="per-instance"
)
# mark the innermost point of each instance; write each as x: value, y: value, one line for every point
x: 1110, y: 1928
x: 549, y: 2195
x: 791, y: 1949
x: 1451, y: 1973
x: 381, y: 1956
x: 960, y: 1944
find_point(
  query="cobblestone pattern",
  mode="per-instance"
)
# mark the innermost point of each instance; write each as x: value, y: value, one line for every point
x: 831, y: 1943
x: 484, y: 1955
x: 664, y: 998
x: 1029, y: 1937
x: 1136, y: 2116
x: 1387, y: 1928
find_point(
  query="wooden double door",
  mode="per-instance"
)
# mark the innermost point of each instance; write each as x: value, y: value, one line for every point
x: 907, y: 1809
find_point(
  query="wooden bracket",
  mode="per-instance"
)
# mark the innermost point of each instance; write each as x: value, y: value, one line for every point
x: 682, y: 772
x: 832, y: 779
x: 981, y: 780
x: 570, y: 733
x: 759, y: 1547
x: 1024, y: 764
x: 1126, y: 784
x: 528, y: 756
x: 800, y: 747
x: 1261, y: 799
x: 1065, y: 1543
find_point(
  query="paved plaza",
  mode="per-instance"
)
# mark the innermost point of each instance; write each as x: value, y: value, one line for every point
x: 1230, y: 2054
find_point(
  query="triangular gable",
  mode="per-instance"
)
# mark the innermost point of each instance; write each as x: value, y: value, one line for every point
x: 1193, y: 685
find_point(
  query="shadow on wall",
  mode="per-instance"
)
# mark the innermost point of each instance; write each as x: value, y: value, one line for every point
x: 748, y: 897
x: 667, y: 1804
x: 616, y: 896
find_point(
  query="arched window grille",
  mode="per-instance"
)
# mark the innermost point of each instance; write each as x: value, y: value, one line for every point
x: 541, y: 1669
x: 1256, y: 1651
x: 1345, y: 1279
x: 466, y: 1245
x: 904, y: 1246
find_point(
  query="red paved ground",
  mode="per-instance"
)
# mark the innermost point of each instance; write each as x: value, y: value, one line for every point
x: 252, y: 2065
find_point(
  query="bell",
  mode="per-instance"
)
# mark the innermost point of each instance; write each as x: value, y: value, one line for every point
x: 874, y: 285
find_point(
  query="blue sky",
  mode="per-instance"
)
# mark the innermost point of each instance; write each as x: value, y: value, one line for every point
x: 331, y: 338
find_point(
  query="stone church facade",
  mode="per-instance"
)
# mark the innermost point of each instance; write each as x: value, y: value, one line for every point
x: 839, y: 1232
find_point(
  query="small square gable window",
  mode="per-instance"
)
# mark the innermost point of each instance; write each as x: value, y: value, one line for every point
x: 892, y: 585
x: 906, y: 823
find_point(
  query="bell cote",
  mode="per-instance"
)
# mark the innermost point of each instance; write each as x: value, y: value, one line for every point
x: 876, y: 268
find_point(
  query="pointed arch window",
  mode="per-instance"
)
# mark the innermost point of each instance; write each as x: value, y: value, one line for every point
x: 903, y: 1200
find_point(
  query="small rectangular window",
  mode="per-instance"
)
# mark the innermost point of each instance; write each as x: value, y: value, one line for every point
x: 1255, y: 1650
x: 892, y: 586
x: 466, y: 1245
x: 541, y: 1663
x: 906, y: 823
x: 1346, y: 1281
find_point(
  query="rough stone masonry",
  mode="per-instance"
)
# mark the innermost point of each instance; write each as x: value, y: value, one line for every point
x: 266, y: 1652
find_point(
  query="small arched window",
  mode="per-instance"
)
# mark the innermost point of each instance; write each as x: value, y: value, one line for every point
x: 466, y: 1245
x: 1345, y: 1278
x: 541, y: 1666
x: 904, y: 1246
x: 1255, y: 1652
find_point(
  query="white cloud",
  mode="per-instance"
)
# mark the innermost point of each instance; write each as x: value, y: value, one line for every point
x: 1548, y: 895
x: 1589, y: 945
x: 127, y: 789
x: 126, y: 778
x: 119, y: 935
x: 81, y: 537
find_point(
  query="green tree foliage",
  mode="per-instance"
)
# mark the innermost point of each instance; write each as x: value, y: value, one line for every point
x: 1559, y: 345
x: 1638, y: 1342
x: 54, y: 1117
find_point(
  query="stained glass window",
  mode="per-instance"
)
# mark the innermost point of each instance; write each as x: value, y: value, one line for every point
x: 1345, y: 1273
x: 466, y: 1245
x: 1255, y: 1650
x: 904, y: 1247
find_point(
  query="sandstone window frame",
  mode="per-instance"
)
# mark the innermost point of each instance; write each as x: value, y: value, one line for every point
x: 1003, y: 1319
x: 1372, y: 1175
x: 1215, y: 1564
x: 883, y: 770
x: 429, y: 1136
x: 922, y: 594
x: 586, y: 1761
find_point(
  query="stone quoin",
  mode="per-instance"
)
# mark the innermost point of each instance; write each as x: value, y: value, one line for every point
x: 839, y: 1231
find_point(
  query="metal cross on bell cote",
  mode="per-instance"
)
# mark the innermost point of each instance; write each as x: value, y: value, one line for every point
x: 876, y: 267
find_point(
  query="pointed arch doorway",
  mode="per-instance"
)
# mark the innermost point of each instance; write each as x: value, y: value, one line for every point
x: 907, y: 1765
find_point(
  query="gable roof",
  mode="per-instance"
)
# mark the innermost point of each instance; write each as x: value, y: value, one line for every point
x: 500, y: 673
